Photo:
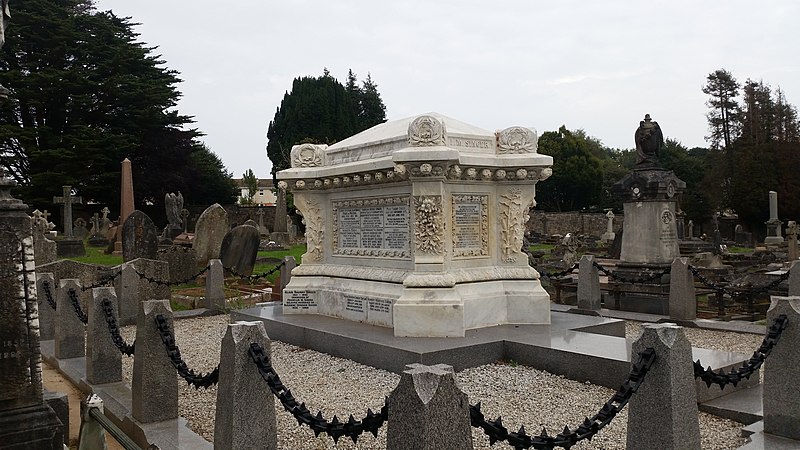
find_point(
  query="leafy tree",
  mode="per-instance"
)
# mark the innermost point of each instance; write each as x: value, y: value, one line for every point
x: 722, y: 119
x: 251, y: 183
x: 85, y: 95
x: 321, y: 110
x: 577, y: 179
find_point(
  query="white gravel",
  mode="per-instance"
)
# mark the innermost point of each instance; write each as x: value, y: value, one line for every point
x: 524, y: 396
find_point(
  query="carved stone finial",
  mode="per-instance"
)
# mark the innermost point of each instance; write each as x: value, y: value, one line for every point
x: 308, y: 155
x: 426, y: 131
x: 516, y: 140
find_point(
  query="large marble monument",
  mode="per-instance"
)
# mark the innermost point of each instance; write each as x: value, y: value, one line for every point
x: 417, y: 225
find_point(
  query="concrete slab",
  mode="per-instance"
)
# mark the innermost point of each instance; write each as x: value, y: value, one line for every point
x: 758, y: 440
x: 743, y: 406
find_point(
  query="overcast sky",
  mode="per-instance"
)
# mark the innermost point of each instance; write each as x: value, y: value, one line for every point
x: 596, y: 65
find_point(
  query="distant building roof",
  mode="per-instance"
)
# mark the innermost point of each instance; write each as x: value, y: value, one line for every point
x: 262, y: 184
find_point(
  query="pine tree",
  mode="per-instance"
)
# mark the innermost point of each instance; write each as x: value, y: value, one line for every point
x: 722, y: 119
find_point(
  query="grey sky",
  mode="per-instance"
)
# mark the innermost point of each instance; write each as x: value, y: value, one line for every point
x: 594, y: 65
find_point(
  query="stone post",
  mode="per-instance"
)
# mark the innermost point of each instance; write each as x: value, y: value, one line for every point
x: 154, y: 389
x: 103, y: 358
x: 691, y: 230
x: 682, y: 300
x: 791, y: 238
x: 126, y: 201
x: 215, y: 286
x: 588, y: 285
x: 774, y: 223
x: 70, y: 333
x: 128, y: 294
x: 781, y: 390
x: 243, y: 397
x: 46, y: 312
x: 427, y: 411
x: 794, y: 279
x: 92, y: 434
x: 286, y: 272
x: 663, y: 413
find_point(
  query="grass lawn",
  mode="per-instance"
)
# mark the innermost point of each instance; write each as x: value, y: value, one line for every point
x: 95, y: 255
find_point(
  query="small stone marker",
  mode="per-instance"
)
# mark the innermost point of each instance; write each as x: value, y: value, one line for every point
x: 240, y: 249
x: 682, y: 300
x: 609, y: 235
x: 663, y: 413
x: 781, y: 390
x: 45, y: 283
x: 139, y: 237
x: 427, y: 411
x: 243, y: 397
x: 67, y: 200
x: 103, y: 358
x: 588, y: 285
x: 209, y: 232
x: 45, y: 250
x: 80, y: 231
x: 70, y: 338
x: 215, y: 286
x: 154, y: 389
x: 261, y: 228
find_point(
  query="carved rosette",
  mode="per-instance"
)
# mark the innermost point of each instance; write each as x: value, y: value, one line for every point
x: 483, y: 201
x: 362, y: 203
x: 513, y: 211
x: 315, y: 230
x: 308, y: 155
x: 426, y: 131
x: 516, y: 140
x: 429, y: 231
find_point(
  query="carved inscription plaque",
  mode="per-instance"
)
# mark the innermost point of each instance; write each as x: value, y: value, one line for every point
x: 300, y: 300
x: 470, y: 225
x: 372, y: 227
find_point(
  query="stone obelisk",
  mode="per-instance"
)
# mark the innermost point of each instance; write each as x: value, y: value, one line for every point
x: 126, y: 202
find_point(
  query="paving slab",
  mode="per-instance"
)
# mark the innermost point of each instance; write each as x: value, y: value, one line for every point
x: 743, y: 406
x: 758, y: 440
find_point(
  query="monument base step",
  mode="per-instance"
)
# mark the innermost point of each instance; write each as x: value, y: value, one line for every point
x: 758, y: 440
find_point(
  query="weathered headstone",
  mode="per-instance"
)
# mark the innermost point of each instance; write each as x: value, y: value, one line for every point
x: 774, y: 223
x: 215, y: 286
x: 97, y: 238
x: 791, y: 238
x: 240, y: 383
x: 105, y: 222
x: 781, y: 395
x: 690, y: 234
x: 154, y: 388
x: 609, y: 235
x: 261, y: 228
x: 139, y: 237
x: 289, y: 263
x: 79, y: 231
x: 44, y: 249
x: 46, y: 293
x: 240, y: 249
x: 126, y: 202
x: 663, y: 413
x: 66, y: 217
x: 251, y: 222
x: 103, y: 358
x: 181, y: 260
x: 682, y: 300
x: 280, y: 231
x: 185, y: 219
x: 70, y: 333
x: 427, y: 411
x: 209, y: 232
x: 589, y: 294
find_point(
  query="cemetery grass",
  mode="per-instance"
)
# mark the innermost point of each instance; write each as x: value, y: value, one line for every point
x: 97, y: 256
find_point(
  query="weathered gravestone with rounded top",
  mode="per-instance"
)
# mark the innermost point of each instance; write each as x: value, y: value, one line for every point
x: 240, y: 248
x: 209, y: 232
x: 139, y: 237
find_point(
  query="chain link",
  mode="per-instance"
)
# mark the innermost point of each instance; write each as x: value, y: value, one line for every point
x: 174, y: 354
x: 124, y: 348
x: 76, y: 305
x: 48, y: 294
x: 643, y: 279
x: 558, y: 274
x: 722, y: 287
x: 102, y: 282
x: 750, y: 366
x: 567, y: 438
x: 232, y: 271
x: 352, y: 428
x: 171, y: 283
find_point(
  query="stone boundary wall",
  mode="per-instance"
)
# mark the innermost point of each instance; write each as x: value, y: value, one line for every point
x: 589, y: 224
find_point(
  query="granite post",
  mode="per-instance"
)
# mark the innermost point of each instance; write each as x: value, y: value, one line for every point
x: 774, y: 223
x: 588, y: 285
x: 126, y: 202
x: 427, y: 411
x: 243, y: 398
x: 682, y: 300
x: 663, y: 413
x: 70, y: 333
x: 103, y: 358
x: 215, y: 286
x: 781, y: 395
x: 46, y: 287
x: 128, y: 294
x: 154, y: 388
x: 286, y: 271
x: 794, y: 279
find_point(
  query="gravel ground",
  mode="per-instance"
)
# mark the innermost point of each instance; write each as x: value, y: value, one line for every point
x: 522, y: 395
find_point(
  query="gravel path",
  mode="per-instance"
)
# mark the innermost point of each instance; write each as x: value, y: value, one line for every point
x: 522, y: 395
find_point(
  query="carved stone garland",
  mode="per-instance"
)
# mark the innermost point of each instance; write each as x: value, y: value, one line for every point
x: 426, y: 131
x: 429, y: 224
x: 315, y: 231
x: 516, y: 140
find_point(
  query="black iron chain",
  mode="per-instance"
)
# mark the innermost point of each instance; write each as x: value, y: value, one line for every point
x: 352, y: 428
x: 722, y: 287
x: 171, y: 283
x: 644, y: 279
x: 196, y: 380
x: 232, y: 271
x: 751, y: 365
x: 102, y: 282
x: 48, y: 294
x: 567, y: 438
x: 76, y: 305
x: 558, y: 274
x: 124, y: 348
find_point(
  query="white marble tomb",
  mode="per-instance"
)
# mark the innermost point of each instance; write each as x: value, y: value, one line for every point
x: 417, y: 224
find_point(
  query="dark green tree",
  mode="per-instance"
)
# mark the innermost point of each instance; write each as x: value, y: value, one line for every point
x: 723, y: 116
x: 371, y: 110
x: 251, y: 183
x: 577, y: 177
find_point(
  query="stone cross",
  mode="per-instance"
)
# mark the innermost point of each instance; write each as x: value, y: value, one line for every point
x: 95, y: 224
x: 610, y: 225
x: 184, y: 216
x: 105, y: 212
x: 67, y: 200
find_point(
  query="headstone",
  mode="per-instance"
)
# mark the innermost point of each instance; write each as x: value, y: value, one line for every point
x: 70, y: 333
x: 609, y: 235
x: 240, y: 249
x: 251, y: 222
x: 46, y: 293
x: 427, y: 411
x: 215, y: 286
x: 682, y: 300
x: 185, y: 219
x: 126, y: 202
x: 261, y: 228
x: 691, y: 230
x: 773, y: 224
x: 132, y: 288
x: 663, y: 413
x: 79, y: 231
x: 280, y: 230
x: 791, y: 238
x: 154, y: 388
x: 717, y: 240
x: 44, y: 249
x: 97, y: 237
x: 181, y: 261
x: 103, y: 358
x: 680, y: 222
x: 105, y: 222
x: 67, y: 200
x: 240, y: 383
x: 589, y: 294
x: 781, y: 391
x: 209, y: 232
x: 139, y: 237
x: 286, y: 272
